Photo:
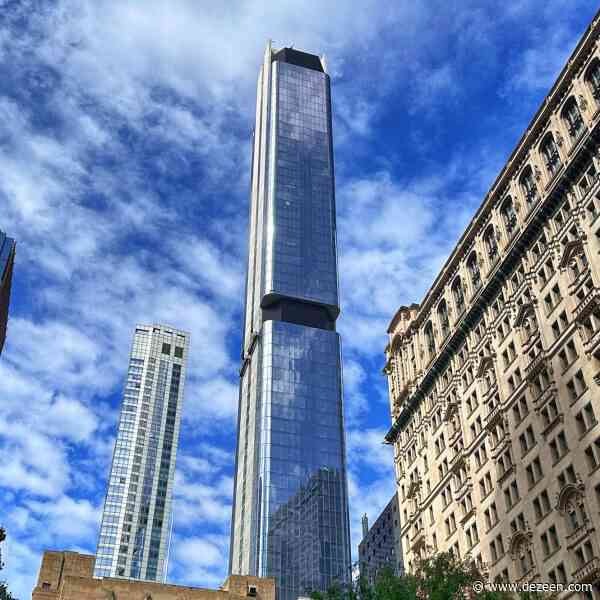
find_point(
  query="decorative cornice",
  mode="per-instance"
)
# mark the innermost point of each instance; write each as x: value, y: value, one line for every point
x: 507, y: 264
x: 501, y: 185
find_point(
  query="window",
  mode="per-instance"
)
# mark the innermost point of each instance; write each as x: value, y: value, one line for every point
x: 166, y: 348
x: 458, y: 294
x: 473, y: 267
x: 534, y: 472
x: 527, y: 440
x: 541, y: 505
x: 552, y: 299
x: 585, y: 419
x: 429, y: 339
x: 558, y: 574
x: 491, y: 516
x: 509, y: 215
x: 491, y: 243
x: 558, y: 447
x: 550, y: 154
x: 528, y: 185
x: 511, y: 495
x: 497, y: 549
x: 549, y: 413
x: 592, y: 78
x: 520, y: 410
x: 178, y: 352
x: 443, y: 316
x: 573, y: 119
x: 576, y: 386
x: 592, y: 455
x: 549, y: 541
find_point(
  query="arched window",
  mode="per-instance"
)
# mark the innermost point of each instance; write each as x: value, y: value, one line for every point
x: 458, y: 294
x: 573, y: 119
x: 522, y: 553
x: 509, y: 215
x: 473, y: 266
x: 529, y: 186
x: 429, y: 339
x: 443, y: 316
x: 592, y: 78
x: 550, y: 154
x: 571, y: 505
x: 491, y: 244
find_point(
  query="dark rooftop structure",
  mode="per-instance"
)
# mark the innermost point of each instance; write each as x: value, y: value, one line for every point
x: 299, y: 58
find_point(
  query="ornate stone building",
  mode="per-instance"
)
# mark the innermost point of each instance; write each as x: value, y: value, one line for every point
x: 69, y: 576
x: 494, y: 378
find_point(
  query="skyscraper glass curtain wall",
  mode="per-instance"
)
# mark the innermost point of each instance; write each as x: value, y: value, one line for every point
x: 290, y: 516
x: 136, y: 521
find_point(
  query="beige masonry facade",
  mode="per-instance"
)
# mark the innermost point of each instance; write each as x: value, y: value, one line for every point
x: 494, y: 378
x: 69, y: 576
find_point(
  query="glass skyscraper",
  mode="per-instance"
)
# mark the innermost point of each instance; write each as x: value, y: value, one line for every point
x: 290, y: 513
x: 136, y: 521
x: 7, y: 259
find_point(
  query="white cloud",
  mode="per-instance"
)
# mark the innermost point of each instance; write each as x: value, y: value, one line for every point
x: 125, y: 153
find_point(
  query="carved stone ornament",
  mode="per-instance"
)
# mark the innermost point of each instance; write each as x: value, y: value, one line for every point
x: 517, y: 206
x: 498, y: 234
x: 559, y: 139
x: 537, y: 173
x: 583, y: 103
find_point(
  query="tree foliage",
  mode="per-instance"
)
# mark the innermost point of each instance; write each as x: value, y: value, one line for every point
x: 441, y: 577
x: 4, y: 593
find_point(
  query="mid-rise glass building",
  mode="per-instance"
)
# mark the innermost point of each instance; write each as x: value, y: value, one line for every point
x: 7, y: 259
x: 290, y: 514
x: 136, y: 521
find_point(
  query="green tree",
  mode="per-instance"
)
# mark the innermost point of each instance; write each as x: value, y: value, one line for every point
x: 4, y: 593
x: 440, y: 577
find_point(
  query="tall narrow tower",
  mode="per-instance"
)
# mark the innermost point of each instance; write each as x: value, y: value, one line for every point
x: 290, y: 513
x: 136, y: 522
x: 7, y: 259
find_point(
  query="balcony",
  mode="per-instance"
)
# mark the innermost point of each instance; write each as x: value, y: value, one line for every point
x: 454, y: 436
x: 418, y: 540
x: 470, y: 513
x: 449, y: 410
x: 549, y: 428
x: 579, y: 278
x: 587, y: 305
x: 534, y: 337
x: 578, y: 535
x: 535, y: 365
x: 492, y: 417
x: 502, y: 443
x: 589, y: 572
x: 457, y: 459
x: 466, y: 485
x: 507, y: 473
x: 413, y: 488
x: 592, y: 344
x: 549, y: 393
x: 532, y: 574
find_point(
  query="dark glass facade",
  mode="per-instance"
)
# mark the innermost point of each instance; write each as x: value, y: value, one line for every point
x: 7, y: 259
x: 290, y: 515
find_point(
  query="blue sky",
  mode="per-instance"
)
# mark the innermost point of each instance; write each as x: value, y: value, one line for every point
x: 124, y: 175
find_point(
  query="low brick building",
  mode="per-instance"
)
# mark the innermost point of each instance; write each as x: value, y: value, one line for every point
x: 69, y: 576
